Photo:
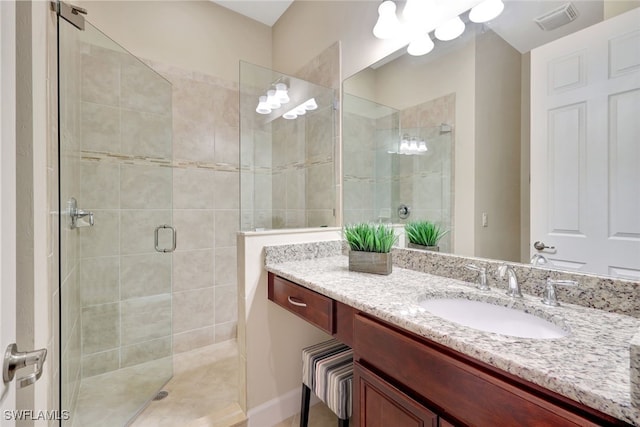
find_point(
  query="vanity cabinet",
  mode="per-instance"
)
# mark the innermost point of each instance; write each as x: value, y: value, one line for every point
x: 416, y: 382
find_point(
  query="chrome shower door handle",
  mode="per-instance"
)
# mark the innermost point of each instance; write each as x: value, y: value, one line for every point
x: 14, y: 360
x: 173, y: 238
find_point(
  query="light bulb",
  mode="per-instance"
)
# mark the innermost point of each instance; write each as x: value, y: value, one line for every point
x: 263, y: 107
x: 422, y: 146
x: 420, y: 46
x: 387, y: 25
x: 486, y: 11
x: 311, y: 105
x: 300, y: 110
x: 404, y: 144
x: 290, y: 115
x: 281, y: 93
x: 413, y: 145
x: 272, y: 100
x: 450, y: 29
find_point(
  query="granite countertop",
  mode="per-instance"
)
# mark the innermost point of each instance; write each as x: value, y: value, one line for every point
x: 591, y: 365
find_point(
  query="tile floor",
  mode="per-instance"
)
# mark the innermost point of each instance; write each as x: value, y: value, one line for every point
x: 205, y: 382
x: 319, y: 416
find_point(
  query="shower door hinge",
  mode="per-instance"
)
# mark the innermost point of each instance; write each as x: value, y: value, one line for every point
x: 70, y: 13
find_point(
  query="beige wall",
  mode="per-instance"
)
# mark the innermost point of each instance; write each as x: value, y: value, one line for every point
x: 497, y: 148
x: 194, y: 35
x: 270, y: 339
x: 309, y: 27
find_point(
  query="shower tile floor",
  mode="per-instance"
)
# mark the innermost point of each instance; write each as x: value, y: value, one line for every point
x: 319, y: 416
x: 205, y: 382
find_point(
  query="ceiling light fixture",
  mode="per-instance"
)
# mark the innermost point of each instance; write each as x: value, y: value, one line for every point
x: 486, y: 11
x: 387, y: 25
x: 450, y: 30
x: 422, y: 16
x: 420, y: 46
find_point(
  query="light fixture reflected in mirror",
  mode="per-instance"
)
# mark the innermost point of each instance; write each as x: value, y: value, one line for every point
x: 282, y: 94
x: 263, y: 107
x: 410, y: 146
x: 301, y: 110
x: 387, y: 25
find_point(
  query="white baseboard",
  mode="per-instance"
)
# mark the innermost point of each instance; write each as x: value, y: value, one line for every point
x: 277, y: 410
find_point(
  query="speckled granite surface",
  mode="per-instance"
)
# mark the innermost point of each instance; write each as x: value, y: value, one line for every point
x: 591, y: 365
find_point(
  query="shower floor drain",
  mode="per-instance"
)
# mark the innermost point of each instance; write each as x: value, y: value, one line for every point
x: 161, y: 395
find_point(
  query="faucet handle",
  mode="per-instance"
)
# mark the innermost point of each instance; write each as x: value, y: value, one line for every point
x: 550, y: 297
x: 481, y: 282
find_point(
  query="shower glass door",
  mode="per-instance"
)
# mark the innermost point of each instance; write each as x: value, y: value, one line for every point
x: 116, y: 238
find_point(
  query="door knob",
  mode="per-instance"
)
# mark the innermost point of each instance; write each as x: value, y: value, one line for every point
x: 541, y: 246
x: 14, y: 360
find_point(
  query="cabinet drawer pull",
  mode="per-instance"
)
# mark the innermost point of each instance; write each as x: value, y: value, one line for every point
x: 296, y: 303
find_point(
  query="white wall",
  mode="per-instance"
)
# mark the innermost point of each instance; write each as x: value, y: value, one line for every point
x: 270, y: 338
x: 194, y: 35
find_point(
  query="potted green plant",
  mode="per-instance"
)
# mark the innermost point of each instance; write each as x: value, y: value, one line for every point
x: 370, y: 246
x: 424, y: 235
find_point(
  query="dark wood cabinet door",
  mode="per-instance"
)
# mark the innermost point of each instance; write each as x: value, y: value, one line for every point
x: 383, y: 405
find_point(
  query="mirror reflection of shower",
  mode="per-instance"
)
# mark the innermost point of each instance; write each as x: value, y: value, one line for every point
x: 287, y: 151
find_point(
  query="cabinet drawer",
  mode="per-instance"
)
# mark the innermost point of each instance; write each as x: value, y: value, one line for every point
x: 468, y: 394
x: 311, y: 306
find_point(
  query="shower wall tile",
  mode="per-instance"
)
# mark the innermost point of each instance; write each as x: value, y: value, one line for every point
x: 227, y: 106
x: 100, y: 363
x: 146, y: 134
x: 145, y: 187
x: 193, y: 140
x: 193, y: 101
x: 100, y: 328
x: 145, y: 275
x: 145, y: 319
x: 102, y: 238
x: 227, y: 186
x: 100, y: 280
x: 137, y: 230
x: 226, y: 331
x: 194, y: 338
x: 226, y: 227
x: 320, y: 217
x: 193, y: 309
x: 193, y: 189
x: 100, y: 79
x: 195, y: 228
x: 225, y: 266
x: 99, y: 186
x: 142, y: 90
x: 226, y: 307
x: 295, y: 185
x: 226, y: 145
x: 145, y: 352
x: 100, y: 127
x: 319, y: 185
x: 193, y: 269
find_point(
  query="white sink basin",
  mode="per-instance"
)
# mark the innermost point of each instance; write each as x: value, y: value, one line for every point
x: 493, y: 318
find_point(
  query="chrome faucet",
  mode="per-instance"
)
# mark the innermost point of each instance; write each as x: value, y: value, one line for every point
x: 539, y: 259
x: 481, y: 281
x: 514, y: 287
x: 550, y: 297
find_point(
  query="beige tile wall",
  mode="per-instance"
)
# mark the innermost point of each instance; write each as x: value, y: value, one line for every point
x: 206, y: 206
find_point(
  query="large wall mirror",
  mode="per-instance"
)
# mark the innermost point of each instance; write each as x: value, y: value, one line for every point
x: 508, y: 135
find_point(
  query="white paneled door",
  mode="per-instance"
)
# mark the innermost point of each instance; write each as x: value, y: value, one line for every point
x: 585, y: 148
x: 7, y: 198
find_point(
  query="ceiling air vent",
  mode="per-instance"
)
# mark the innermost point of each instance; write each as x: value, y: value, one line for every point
x: 557, y: 17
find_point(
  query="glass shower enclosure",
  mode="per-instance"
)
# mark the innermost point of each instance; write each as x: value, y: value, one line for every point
x: 116, y: 236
